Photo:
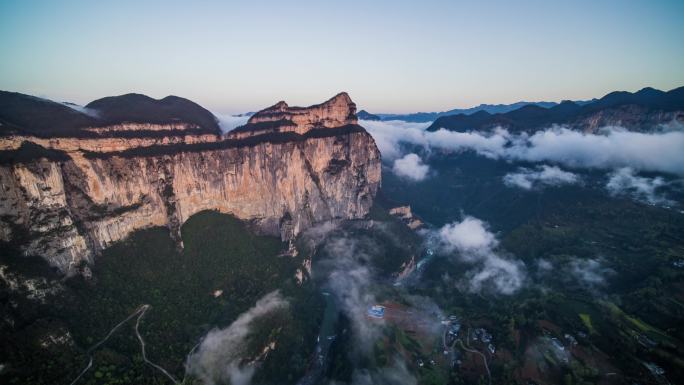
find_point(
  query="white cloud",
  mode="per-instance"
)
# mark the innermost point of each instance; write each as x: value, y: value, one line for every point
x: 470, y: 241
x: 218, y: 357
x: 411, y: 167
x: 468, y: 235
x: 625, y: 182
x: 611, y: 147
x: 661, y: 151
x: 87, y: 111
x: 347, y: 275
x: 544, y: 175
x: 589, y: 272
x: 544, y: 265
x: 230, y: 122
x: 490, y: 145
x: 390, y: 134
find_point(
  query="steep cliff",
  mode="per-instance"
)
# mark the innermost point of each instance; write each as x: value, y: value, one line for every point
x: 67, y: 198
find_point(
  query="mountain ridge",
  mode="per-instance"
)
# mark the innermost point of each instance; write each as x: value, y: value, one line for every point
x: 26, y: 114
x: 67, y: 198
x: 640, y: 111
x: 423, y: 117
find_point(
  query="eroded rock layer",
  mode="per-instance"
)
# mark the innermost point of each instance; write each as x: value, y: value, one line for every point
x: 68, y: 199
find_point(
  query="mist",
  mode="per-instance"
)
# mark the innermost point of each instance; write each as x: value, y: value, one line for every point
x: 625, y: 182
x: 589, y: 273
x: 411, y: 167
x: 345, y: 272
x: 219, y: 355
x: 87, y: 111
x: 470, y: 241
x: 229, y: 122
x: 609, y: 148
x: 541, y: 176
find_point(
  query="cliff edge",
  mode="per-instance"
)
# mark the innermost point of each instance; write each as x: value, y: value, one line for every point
x: 67, y: 197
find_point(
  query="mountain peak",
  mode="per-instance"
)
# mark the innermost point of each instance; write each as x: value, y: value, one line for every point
x: 337, y: 111
x: 342, y: 97
x: 139, y: 108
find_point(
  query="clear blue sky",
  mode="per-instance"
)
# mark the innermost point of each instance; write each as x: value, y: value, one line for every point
x: 391, y: 56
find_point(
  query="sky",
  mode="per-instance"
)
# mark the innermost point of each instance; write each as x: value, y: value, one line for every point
x: 391, y: 56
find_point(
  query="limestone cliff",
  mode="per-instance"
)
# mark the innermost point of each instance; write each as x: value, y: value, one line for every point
x: 68, y: 198
x: 337, y: 112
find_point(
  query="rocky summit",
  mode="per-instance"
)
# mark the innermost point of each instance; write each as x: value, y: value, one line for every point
x: 69, y: 194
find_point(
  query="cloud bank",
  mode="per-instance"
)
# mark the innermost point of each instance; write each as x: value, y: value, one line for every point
x: 544, y: 175
x: 611, y: 147
x: 390, y: 134
x: 471, y: 242
x: 625, y: 182
x: 230, y: 122
x: 218, y: 357
x: 411, y: 167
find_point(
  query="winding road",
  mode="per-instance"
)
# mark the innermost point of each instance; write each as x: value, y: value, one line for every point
x: 484, y: 359
x: 140, y: 312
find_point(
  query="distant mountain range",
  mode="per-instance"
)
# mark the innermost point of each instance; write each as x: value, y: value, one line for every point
x: 422, y: 117
x: 640, y: 111
x: 27, y: 114
x: 365, y: 115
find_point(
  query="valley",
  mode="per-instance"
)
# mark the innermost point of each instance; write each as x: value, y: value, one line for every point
x: 341, y: 193
x: 288, y: 251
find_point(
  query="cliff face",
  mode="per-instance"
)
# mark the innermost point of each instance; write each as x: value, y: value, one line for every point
x: 632, y: 117
x: 312, y: 165
x: 336, y: 112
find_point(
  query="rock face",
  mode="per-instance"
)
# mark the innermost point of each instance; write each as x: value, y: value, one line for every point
x: 406, y: 215
x: 339, y: 111
x: 68, y: 199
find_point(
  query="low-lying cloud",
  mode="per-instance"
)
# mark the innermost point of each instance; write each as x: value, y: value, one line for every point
x: 626, y: 182
x: 411, y: 167
x: 87, y: 111
x: 228, y: 123
x: 219, y: 355
x: 611, y: 147
x: 590, y: 273
x: 541, y: 176
x: 396, y: 374
x: 346, y: 273
x: 471, y: 242
x: 344, y: 269
x: 389, y: 135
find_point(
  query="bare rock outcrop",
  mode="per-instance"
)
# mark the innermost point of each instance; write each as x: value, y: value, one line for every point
x: 67, y: 199
x: 339, y: 111
x: 406, y: 215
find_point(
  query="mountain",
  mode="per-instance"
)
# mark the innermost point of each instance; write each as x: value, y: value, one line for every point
x: 365, y: 115
x: 29, y: 114
x: 421, y: 117
x: 74, y: 188
x: 24, y: 114
x: 639, y: 111
x: 136, y: 108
